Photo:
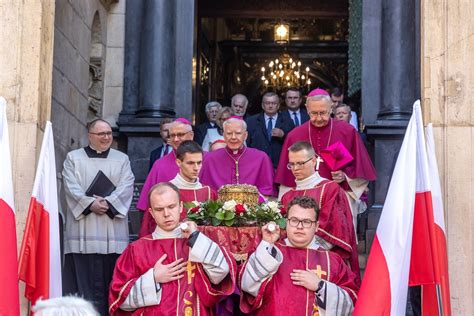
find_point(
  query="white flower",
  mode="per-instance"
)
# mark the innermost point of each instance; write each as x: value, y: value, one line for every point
x: 273, y: 206
x: 229, y: 205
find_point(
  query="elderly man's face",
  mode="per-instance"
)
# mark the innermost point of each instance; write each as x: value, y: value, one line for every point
x: 179, y: 133
x: 239, y: 107
x: 301, y: 235
x: 319, y: 112
x: 293, y: 100
x: 270, y: 105
x: 165, y: 208
x: 212, y: 114
x: 234, y: 135
x: 343, y: 113
x: 100, y: 136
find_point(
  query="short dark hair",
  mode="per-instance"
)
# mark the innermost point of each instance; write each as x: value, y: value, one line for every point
x: 336, y: 91
x: 304, y: 202
x: 187, y: 146
x: 92, y: 123
x: 293, y: 89
x: 301, y: 145
x: 160, y: 189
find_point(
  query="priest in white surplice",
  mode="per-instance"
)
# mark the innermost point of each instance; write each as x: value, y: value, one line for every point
x: 296, y: 276
x: 96, y: 227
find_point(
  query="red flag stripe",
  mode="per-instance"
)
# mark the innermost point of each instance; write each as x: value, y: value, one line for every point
x: 9, y: 301
x: 376, y: 285
x: 34, y: 261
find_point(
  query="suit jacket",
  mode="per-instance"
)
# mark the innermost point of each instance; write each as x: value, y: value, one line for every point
x: 303, y: 113
x: 257, y: 138
x: 200, y: 132
x: 155, y: 155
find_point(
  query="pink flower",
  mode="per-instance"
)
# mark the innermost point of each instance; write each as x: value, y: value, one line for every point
x: 240, y: 209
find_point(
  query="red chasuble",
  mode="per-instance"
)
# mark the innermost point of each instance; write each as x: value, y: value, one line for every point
x: 321, y: 138
x: 279, y: 296
x: 248, y: 166
x: 193, y: 294
x: 335, y: 220
x: 187, y: 195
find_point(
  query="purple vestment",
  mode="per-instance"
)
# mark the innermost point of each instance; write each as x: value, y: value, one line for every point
x: 255, y: 168
x: 163, y: 170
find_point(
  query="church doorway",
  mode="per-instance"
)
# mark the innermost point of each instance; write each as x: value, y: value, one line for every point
x: 238, y: 49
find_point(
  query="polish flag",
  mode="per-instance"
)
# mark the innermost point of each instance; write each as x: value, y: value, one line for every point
x: 9, y: 299
x: 40, y: 262
x: 406, y: 250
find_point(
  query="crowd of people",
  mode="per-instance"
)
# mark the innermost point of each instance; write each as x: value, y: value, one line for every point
x: 308, y: 157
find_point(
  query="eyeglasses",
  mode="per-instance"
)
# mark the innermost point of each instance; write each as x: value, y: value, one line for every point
x: 293, y: 165
x: 320, y: 114
x: 102, y: 134
x: 295, y: 222
x: 179, y: 135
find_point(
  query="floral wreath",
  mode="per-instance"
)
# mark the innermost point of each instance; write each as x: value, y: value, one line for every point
x: 231, y: 213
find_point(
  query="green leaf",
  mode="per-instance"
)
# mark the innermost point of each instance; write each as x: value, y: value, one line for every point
x: 220, y: 216
x: 281, y: 222
x: 229, y: 215
x: 229, y: 222
x: 215, y: 221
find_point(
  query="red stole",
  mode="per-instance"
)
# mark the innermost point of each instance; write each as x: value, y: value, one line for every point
x: 191, y: 295
x: 279, y: 296
x: 190, y: 195
x: 335, y: 219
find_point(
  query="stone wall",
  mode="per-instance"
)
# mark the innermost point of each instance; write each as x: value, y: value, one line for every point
x: 447, y: 30
x: 26, y: 51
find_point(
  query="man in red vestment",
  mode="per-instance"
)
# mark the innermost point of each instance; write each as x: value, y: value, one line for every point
x: 236, y: 163
x: 335, y: 231
x: 295, y: 276
x: 175, y: 271
x: 163, y: 170
x: 322, y: 131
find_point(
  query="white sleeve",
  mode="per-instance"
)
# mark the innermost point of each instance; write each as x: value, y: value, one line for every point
x: 145, y: 292
x: 260, y: 266
x: 206, y: 252
x: 121, y: 197
x: 333, y: 300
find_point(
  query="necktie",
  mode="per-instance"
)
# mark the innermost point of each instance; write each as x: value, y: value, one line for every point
x: 295, y: 118
x: 167, y: 150
x: 269, y: 128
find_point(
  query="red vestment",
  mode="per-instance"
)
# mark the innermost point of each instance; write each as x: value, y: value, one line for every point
x: 193, y: 293
x: 187, y: 195
x: 321, y: 138
x: 279, y: 296
x: 335, y: 220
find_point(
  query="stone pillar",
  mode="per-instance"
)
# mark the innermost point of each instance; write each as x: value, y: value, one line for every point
x: 447, y: 100
x: 390, y: 81
x: 158, y: 73
x: 26, y: 57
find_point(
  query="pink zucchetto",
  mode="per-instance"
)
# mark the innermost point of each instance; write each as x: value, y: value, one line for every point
x: 318, y: 91
x: 236, y: 117
x: 183, y: 120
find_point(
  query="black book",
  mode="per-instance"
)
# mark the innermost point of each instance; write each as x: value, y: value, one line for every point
x: 100, y: 186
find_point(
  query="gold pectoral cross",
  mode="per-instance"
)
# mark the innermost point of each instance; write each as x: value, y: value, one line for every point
x: 319, y: 272
x: 318, y: 161
x: 190, y: 267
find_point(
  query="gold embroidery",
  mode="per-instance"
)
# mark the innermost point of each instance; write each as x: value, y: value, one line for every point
x: 319, y: 272
x: 190, y: 267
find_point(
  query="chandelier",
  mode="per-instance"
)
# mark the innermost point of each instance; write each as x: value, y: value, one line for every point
x: 285, y: 72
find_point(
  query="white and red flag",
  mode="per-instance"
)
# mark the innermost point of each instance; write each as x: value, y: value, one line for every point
x: 9, y: 298
x: 40, y: 262
x: 409, y: 247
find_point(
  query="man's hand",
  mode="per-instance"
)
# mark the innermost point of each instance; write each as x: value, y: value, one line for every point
x: 99, y: 206
x: 338, y: 176
x: 277, y: 132
x: 165, y: 273
x: 192, y: 227
x: 271, y: 236
x: 305, y: 279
